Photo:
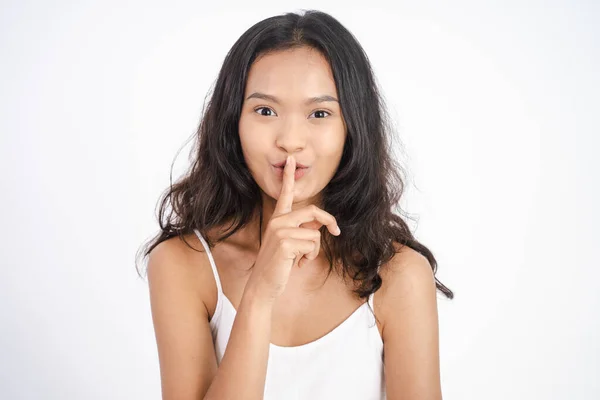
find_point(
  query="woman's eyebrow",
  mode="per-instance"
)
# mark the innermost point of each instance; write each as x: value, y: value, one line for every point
x: 310, y: 100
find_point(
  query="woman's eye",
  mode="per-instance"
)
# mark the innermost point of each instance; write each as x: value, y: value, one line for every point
x: 263, y: 113
x: 320, y: 112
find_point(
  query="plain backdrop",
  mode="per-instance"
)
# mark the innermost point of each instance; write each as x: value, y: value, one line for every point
x: 495, y: 103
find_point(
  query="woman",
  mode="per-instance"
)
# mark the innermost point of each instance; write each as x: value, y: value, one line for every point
x: 290, y: 196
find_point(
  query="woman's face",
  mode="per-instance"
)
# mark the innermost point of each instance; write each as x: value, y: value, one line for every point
x: 291, y: 107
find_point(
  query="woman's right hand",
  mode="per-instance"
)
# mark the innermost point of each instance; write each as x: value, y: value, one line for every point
x: 285, y: 241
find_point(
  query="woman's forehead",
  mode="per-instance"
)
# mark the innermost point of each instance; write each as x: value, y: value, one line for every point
x: 296, y: 75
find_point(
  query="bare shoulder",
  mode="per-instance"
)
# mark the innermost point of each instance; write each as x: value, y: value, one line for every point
x: 173, y: 264
x: 406, y: 264
x: 177, y: 279
x: 406, y: 279
x: 408, y: 307
x: 176, y: 249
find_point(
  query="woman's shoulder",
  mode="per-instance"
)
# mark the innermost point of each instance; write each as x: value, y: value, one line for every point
x: 184, y: 251
x: 406, y: 278
x: 182, y: 261
x: 405, y: 259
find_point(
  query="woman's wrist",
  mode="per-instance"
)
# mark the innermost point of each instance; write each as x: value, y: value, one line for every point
x: 257, y: 294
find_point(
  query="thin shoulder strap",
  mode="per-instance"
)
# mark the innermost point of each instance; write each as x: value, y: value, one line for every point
x: 370, y: 300
x: 212, y: 261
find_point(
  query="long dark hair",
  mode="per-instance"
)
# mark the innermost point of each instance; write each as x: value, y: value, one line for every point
x: 362, y: 195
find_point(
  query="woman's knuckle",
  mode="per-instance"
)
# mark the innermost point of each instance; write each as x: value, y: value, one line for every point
x: 285, y: 244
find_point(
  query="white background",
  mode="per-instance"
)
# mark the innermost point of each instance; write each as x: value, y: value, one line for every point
x: 496, y: 104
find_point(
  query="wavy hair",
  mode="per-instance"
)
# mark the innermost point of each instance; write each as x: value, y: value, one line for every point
x: 362, y: 195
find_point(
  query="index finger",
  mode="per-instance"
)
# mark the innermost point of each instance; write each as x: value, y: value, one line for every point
x: 286, y: 197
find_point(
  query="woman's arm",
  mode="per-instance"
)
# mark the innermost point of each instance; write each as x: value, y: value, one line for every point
x: 410, y: 329
x: 178, y: 284
x: 243, y: 369
x: 185, y: 348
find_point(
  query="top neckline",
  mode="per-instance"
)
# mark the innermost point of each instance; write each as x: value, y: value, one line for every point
x: 338, y: 330
x: 335, y: 332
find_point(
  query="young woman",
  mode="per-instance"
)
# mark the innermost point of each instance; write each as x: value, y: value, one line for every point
x: 281, y: 271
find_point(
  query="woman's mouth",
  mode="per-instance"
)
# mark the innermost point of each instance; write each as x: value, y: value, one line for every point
x: 300, y: 172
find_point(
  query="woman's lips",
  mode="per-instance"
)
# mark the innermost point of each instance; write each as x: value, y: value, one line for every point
x: 282, y: 164
x: 300, y: 172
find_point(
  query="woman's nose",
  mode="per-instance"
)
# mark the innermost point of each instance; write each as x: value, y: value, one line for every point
x: 292, y: 136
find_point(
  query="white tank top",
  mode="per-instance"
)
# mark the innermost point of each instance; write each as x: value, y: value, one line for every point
x: 346, y: 363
